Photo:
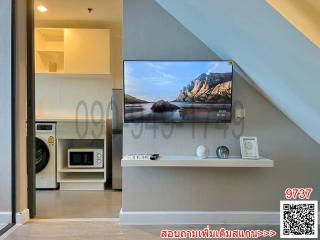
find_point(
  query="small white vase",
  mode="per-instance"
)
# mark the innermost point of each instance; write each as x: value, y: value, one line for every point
x: 202, y: 151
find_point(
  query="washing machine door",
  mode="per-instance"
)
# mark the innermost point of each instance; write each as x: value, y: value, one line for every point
x: 42, y: 155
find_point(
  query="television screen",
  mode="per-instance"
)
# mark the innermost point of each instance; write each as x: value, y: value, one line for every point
x: 178, y: 91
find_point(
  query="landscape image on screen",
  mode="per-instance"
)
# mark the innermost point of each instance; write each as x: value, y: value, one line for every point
x: 178, y: 91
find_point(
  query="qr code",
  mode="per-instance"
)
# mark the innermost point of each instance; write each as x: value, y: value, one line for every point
x: 299, y: 219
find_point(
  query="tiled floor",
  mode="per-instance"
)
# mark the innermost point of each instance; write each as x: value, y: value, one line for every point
x: 78, y: 204
x: 100, y: 230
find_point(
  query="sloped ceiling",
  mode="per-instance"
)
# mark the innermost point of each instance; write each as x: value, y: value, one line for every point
x: 282, y: 62
x: 304, y: 15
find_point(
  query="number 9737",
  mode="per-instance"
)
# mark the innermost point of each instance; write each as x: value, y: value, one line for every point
x: 298, y: 193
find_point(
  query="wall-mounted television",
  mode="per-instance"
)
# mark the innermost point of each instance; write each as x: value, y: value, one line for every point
x: 178, y: 91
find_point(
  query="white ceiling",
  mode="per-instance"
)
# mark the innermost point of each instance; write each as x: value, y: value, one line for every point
x: 107, y: 11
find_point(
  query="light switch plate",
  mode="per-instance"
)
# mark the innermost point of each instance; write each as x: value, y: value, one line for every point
x: 240, y: 113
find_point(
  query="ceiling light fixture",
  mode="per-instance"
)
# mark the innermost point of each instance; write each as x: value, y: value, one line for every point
x: 42, y: 8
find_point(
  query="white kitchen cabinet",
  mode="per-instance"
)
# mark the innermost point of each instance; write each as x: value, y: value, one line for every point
x: 72, y: 50
x: 87, y: 51
x: 49, y: 50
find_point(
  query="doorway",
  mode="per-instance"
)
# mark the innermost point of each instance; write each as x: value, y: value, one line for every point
x: 77, y: 53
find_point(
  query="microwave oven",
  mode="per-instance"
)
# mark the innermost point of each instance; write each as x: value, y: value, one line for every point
x: 85, y: 158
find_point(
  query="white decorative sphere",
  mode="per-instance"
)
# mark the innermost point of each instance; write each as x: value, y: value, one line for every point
x: 202, y: 151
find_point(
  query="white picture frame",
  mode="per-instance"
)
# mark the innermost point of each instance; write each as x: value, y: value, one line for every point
x: 249, y: 147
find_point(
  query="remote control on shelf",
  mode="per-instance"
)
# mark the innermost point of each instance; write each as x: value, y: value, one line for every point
x: 142, y: 156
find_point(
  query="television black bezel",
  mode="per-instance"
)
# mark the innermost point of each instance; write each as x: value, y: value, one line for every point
x: 155, y: 121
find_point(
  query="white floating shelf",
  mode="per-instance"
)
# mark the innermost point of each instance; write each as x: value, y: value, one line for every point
x: 50, y: 51
x: 193, y: 161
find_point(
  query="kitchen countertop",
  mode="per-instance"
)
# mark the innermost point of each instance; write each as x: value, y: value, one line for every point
x: 65, y: 118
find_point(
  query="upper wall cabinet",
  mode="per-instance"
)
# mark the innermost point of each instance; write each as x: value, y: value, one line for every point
x: 87, y: 51
x: 49, y: 50
x: 72, y: 50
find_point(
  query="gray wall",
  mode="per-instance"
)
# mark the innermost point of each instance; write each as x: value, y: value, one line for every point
x: 5, y: 106
x: 151, y: 33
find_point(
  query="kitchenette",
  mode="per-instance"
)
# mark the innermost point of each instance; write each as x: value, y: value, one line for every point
x: 79, y: 105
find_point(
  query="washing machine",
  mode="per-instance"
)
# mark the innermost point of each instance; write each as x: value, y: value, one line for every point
x: 46, y: 163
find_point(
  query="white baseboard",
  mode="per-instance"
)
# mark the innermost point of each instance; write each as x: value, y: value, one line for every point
x: 179, y: 217
x: 5, y: 217
x: 21, y: 217
x: 54, y: 220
